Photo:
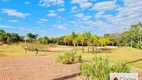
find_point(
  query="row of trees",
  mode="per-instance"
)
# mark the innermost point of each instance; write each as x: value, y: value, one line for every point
x: 130, y: 37
x: 10, y: 37
x: 87, y: 38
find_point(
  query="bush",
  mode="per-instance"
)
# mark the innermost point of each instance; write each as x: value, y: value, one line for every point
x: 120, y: 67
x: 59, y: 58
x: 78, y: 58
x: 68, y: 58
x: 100, y: 68
x: 42, y: 48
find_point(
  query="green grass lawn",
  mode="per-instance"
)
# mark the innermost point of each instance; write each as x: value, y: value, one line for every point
x: 17, y: 50
x: 132, y: 56
x: 126, y: 54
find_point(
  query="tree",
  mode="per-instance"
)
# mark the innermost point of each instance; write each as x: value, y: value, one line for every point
x: 43, y: 40
x: 32, y: 37
x: 65, y: 40
x: 81, y: 39
x: 94, y: 41
x: 74, y: 40
x: 87, y: 36
x: 116, y: 38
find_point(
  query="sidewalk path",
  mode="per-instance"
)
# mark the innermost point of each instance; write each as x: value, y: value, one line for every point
x: 36, y: 68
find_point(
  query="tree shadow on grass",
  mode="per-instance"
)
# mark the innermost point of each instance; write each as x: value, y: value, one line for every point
x: 130, y: 62
x: 104, y: 50
x: 3, y: 55
x: 67, y: 77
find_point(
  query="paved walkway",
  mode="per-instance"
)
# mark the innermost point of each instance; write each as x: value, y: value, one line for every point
x: 39, y: 68
x: 36, y: 68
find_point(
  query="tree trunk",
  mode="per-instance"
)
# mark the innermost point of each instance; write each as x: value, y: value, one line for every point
x: 68, y: 43
x: 88, y: 48
x: 77, y: 44
x: 140, y: 42
x: 92, y: 48
x: 131, y: 43
x: 82, y: 48
x: 96, y: 49
x: 65, y: 43
x: 75, y: 48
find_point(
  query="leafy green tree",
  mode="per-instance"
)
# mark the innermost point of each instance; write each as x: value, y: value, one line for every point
x: 65, y: 40
x: 94, y: 41
x: 81, y: 39
x: 43, y: 40
x: 88, y: 36
x: 32, y: 37
x: 74, y: 40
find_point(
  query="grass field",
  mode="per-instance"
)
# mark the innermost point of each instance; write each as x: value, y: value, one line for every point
x: 132, y: 56
x: 17, y: 50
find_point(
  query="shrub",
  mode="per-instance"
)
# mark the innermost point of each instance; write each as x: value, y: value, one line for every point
x: 78, y: 58
x: 42, y: 48
x: 85, y: 68
x: 68, y: 58
x: 120, y: 67
x: 100, y: 68
x: 59, y: 58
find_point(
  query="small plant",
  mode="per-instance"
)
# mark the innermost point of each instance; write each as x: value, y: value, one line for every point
x: 120, y: 67
x: 100, y: 68
x: 78, y: 58
x: 68, y: 58
x: 42, y: 48
x: 59, y: 58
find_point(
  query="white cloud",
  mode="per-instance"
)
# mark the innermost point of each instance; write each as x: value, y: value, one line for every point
x: 13, y: 20
x: 60, y: 2
x: 44, y: 20
x: 106, y: 5
x: 61, y: 9
x: 59, y: 26
x: 84, y: 4
x: 78, y: 1
x: 12, y: 12
x: 79, y: 15
x: 27, y: 2
x: 82, y: 16
x: 51, y: 11
x: 132, y: 7
x: 52, y: 14
x: 99, y: 14
x: 74, y: 8
x: 5, y: 26
x: 86, y: 18
x: 39, y: 22
x: 47, y: 3
x: 12, y: 27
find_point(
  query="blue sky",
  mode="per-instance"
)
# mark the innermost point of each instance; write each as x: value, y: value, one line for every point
x: 59, y: 17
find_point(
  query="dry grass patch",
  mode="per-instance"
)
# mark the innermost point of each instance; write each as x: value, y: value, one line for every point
x: 132, y: 56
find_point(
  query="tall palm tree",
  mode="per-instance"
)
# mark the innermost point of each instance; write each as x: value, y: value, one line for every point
x: 74, y: 40
x: 102, y: 41
x: 81, y: 39
x: 65, y: 39
x: 87, y: 36
x: 78, y: 39
x: 95, y: 42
